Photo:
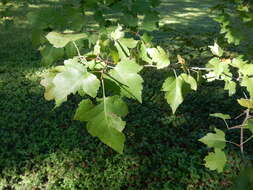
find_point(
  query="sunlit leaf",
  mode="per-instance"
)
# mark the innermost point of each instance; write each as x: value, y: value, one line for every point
x: 214, y: 140
x: 216, y: 160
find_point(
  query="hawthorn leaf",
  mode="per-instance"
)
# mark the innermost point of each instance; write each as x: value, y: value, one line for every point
x: 214, y: 140
x: 221, y: 116
x: 60, y: 40
x: 104, y: 120
x: 216, y: 160
x: 125, y: 74
x: 159, y: 57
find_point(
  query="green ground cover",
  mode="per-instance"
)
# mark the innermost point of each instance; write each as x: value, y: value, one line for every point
x: 42, y: 148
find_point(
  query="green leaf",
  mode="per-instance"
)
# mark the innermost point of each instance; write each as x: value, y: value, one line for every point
x: 230, y: 86
x: 190, y: 80
x: 221, y: 116
x: 117, y: 34
x: 147, y: 38
x: 128, y: 42
x: 175, y: 89
x: 249, y: 125
x: 103, y: 120
x: 70, y: 49
x: 174, y: 95
x: 216, y: 50
x: 97, y: 48
x: 246, y: 103
x: 214, y: 140
x: 144, y: 54
x: 51, y: 54
x: 238, y: 62
x: 73, y: 77
x: 125, y: 74
x: 159, y: 57
x: 218, y: 67
x: 248, y: 83
x: 216, y: 160
x: 59, y: 40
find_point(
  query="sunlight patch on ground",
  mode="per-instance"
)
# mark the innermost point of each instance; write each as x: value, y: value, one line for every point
x: 187, y: 13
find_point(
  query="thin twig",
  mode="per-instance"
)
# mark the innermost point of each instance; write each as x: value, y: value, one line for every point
x: 233, y: 143
x: 248, y: 139
x: 242, y: 130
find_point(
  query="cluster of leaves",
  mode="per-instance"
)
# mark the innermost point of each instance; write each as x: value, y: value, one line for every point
x: 221, y: 69
x: 236, y: 21
x: 103, y: 65
x: 91, y: 18
x: 112, y: 64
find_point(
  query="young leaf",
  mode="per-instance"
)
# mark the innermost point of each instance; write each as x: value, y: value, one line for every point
x: 103, y: 120
x: 216, y: 160
x: 74, y: 77
x: 59, y: 40
x: 159, y: 57
x: 216, y: 50
x: 214, y: 140
x: 221, y: 116
x: 125, y: 74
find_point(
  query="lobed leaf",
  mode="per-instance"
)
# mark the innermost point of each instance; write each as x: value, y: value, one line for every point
x: 104, y: 120
x: 221, y: 116
x: 125, y: 74
x: 214, y: 140
x: 216, y: 160
x: 60, y: 40
x: 73, y: 77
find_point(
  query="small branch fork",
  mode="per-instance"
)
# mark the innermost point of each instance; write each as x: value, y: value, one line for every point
x: 241, y: 127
